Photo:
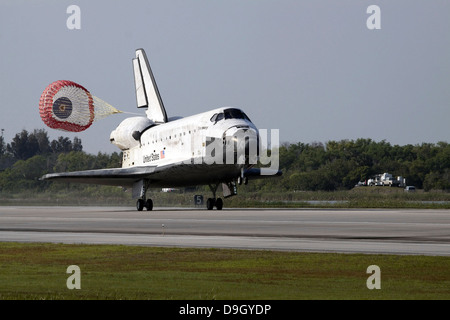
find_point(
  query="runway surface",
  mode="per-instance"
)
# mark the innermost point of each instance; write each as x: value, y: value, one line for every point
x: 415, y: 232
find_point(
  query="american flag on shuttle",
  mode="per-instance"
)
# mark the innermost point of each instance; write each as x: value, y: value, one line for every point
x: 162, y: 155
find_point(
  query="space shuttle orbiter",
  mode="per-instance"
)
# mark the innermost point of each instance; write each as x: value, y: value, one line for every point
x: 219, y: 147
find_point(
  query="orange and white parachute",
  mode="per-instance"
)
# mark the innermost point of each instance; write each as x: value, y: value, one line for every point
x: 68, y: 106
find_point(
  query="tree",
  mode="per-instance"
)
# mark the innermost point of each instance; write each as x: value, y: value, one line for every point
x: 74, y: 161
x: 26, y: 145
x: 63, y: 144
x: 24, y: 174
x: 76, y: 145
x: 23, y: 146
x: 43, y: 141
x: 2, y: 146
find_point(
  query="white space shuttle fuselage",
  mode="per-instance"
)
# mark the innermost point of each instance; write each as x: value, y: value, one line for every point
x: 180, y: 140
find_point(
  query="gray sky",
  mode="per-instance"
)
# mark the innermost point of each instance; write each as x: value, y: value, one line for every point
x: 309, y: 68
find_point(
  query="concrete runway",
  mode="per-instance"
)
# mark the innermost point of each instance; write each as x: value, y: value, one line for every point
x: 403, y: 231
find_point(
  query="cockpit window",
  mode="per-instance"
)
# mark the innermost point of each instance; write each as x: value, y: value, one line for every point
x: 230, y: 114
x: 235, y: 114
x: 219, y: 117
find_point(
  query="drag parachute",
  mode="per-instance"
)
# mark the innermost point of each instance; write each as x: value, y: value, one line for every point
x: 68, y: 106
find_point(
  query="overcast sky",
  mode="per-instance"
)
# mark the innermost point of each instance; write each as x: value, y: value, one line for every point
x: 312, y: 69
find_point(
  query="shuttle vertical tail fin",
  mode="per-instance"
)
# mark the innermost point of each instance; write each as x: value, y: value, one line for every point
x: 147, y: 93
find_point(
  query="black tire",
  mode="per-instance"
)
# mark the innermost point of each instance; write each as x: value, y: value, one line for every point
x: 210, y: 203
x: 149, y: 204
x: 219, y: 204
x: 140, y: 205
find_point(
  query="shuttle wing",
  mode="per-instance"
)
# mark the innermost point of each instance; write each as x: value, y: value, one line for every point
x: 147, y: 93
x: 112, y: 177
x: 176, y: 174
x: 170, y: 175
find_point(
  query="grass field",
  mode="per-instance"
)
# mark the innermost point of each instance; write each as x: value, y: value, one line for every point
x: 38, y: 271
x: 362, y: 197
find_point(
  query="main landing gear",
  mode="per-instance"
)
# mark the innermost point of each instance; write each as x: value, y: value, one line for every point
x: 139, y: 191
x: 214, y: 202
x: 141, y: 204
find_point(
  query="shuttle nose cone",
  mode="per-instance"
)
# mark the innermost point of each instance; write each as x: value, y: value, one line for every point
x: 243, y: 143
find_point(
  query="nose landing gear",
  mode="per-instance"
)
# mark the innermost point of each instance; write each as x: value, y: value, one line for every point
x: 211, y: 203
x: 241, y: 180
x: 214, y: 202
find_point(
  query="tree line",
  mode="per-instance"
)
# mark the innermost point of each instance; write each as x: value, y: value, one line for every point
x: 31, y: 155
x: 338, y: 165
x: 334, y: 165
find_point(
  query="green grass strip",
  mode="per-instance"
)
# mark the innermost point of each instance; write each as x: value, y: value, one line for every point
x: 38, y: 271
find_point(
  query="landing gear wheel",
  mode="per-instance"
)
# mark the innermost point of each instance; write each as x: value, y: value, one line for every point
x: 149, y: 204
x: 210, y: 203
x: 140, y: 205
x: 219, y: 204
